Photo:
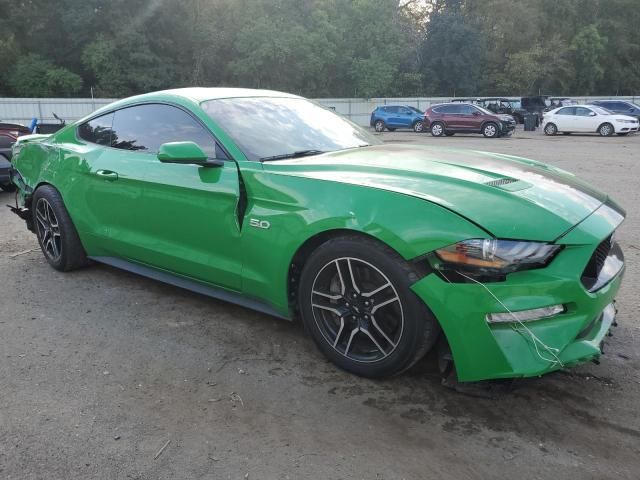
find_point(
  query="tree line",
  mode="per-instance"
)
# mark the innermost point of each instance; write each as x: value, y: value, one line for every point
x: 320, y: 48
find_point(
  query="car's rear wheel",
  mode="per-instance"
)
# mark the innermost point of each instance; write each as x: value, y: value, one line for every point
x: 379, y: 126
x: 437, y: 129
x: 356, y: 302
x: 606, y: 130
x: 550, y: 129
x: 418, y: 127
x: 56, y: 233
x: 490, y: 130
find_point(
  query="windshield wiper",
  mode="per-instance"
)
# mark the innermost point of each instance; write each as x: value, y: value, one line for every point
x: 298, y: 154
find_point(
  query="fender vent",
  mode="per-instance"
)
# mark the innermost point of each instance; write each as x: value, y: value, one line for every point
x: 500, y: 182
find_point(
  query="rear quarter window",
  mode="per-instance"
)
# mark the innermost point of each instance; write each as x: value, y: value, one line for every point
x: 98, y: 130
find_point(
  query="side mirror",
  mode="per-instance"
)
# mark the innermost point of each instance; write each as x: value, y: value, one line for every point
x: 186, y: 153
x: 592, y: 114
x: 476, y: 113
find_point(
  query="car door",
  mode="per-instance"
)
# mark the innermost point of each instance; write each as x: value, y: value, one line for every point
x: 586, y: 120
x: 405, y: 117
x: 470, y: 118
x: 565, y: 119
x: 189, y: 223
x: 453, y: 116
x: 394, y: 119
x: 111, y: 189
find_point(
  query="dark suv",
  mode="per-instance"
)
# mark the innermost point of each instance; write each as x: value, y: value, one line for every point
x: 9, y: 132
x: 620, y: 106
x: 450, y: 118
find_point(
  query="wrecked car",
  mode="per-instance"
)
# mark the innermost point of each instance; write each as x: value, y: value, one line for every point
x: 381, y: 250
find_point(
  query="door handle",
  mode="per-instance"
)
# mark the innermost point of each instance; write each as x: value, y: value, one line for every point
x: 107, y: 175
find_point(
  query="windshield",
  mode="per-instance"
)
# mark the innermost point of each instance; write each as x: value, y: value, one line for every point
x: 416, y: 110
x: 269, y: 128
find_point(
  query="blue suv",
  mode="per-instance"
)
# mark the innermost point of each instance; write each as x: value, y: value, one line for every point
x: 397, y: 116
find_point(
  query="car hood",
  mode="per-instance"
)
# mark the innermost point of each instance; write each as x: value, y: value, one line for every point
x: 510, y: 197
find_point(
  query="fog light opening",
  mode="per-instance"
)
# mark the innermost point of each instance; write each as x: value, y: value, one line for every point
x: 526, y: 315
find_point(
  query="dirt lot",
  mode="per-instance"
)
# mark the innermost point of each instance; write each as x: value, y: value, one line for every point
x: 99, y: 369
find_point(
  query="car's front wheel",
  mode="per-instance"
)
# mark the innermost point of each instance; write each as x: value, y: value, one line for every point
x: 379, y: 126
x: 418, y: 127
x: 356, y: 302
x: 56, y: 233
x: 606, y: 130
x: 490, y: 130
x: 550, y: 129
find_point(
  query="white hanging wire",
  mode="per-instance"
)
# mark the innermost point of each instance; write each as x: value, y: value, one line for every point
x: 523, y: 330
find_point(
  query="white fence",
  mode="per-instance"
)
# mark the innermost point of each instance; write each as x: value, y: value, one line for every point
x: 23, y: 110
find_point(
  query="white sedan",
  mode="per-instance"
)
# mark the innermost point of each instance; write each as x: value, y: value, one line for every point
x: 587, y: 118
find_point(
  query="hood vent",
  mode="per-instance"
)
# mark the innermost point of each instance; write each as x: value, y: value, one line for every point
x: 500, y: 182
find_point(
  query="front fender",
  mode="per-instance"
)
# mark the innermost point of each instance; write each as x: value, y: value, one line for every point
x: 297, y: 208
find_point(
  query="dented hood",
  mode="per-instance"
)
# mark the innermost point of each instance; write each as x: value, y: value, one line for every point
x: 510, y: 197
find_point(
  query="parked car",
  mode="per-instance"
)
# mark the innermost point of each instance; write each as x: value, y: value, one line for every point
x: 381, y: 250
x: 396, y: 116
x: 588, y: 118
x: 9, y: 132
x: 620, y: 106
x: 451, y: 118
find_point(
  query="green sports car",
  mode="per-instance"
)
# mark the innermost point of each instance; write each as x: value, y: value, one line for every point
x: 271, y: 201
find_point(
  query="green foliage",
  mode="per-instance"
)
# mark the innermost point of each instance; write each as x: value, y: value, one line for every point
x: 321, y: 48
x: 34, y: 76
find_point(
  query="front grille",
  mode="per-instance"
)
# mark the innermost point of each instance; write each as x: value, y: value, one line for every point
x: 596, y: 262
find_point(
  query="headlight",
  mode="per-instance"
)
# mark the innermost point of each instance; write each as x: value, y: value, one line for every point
x: 491, y: 257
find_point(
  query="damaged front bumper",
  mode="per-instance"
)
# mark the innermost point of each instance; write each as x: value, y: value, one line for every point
x: 484, y: 350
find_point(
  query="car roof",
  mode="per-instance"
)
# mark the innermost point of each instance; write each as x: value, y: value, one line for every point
x: 494, y: 98
x: 193, y: 95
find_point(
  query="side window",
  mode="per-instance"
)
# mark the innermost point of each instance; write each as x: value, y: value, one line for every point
x: 582, y: 111
x: 145, y: 127
x: 467, y: 109
x: 566, y: 111
x: 404, y: 110
x: 393, y: 109
x: 97, y: 130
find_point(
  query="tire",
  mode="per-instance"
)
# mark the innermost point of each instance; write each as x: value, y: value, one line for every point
x: 379, y: 126
x: 490, y: 130
x: 550, y: 129
x: 341, y: 320
x: 56, y: 233
x: 449, y: 134
x: 437, y: 129
x: 606, y: 130
x: 418, y: 127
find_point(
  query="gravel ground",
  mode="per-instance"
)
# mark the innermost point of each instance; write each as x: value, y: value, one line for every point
x: 99, y: 369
